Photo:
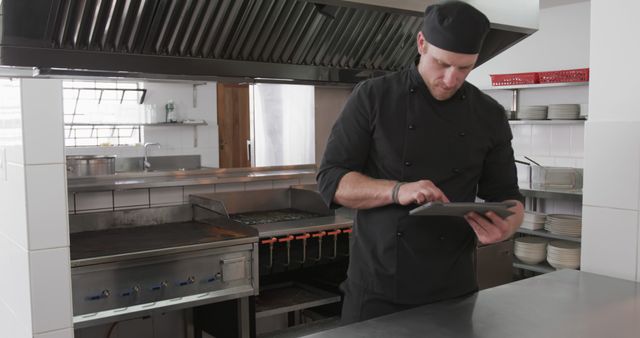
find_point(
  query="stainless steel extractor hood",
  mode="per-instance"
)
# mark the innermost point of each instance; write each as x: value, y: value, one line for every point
x: 305, y: 41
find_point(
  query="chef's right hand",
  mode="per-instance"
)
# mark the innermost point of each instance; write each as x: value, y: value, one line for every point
x: 420, y: 192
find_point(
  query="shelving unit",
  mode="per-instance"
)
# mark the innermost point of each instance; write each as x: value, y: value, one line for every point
x: 113, y: 128
x: 516, y: 89
x: 547, y: 234
x: 291, y: 297
x: 537, y: 85
x: 535, y: 195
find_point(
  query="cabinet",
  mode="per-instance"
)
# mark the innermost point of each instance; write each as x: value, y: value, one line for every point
x: 536, y: 198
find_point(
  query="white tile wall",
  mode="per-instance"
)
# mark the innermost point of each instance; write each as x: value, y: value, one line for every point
x: 42, y: 118
x: 560, y: 141
x: 225, y: 187
x: 198, y: 189
x: 540, y: 141
x: 612, y: 160
x: 166, y: 196
x: 610, y: 242
x: 94, y: 201
x: 15, y: 283
x: 13, y: 205
x: 521, y: 142
x: 130, y: 198
x: 66, y: 333
x: 258, y: 185
x: 10, y: 326
x: 577, y: 141
x: 47, y: 206
x: 50, y: 289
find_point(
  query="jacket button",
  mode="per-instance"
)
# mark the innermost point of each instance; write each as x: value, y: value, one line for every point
x: 412, y: 90
x: 412, y: 127
x: 442, y: 238
x: 407, y: 163
x: 462, y: 134
x: 399, y: 233
x: 462, y: 97
x: 456, y: 170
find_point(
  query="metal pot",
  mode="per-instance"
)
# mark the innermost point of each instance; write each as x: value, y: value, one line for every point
x: 78, y: 166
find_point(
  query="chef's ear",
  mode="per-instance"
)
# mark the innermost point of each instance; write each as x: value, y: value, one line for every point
x: 422, y: 43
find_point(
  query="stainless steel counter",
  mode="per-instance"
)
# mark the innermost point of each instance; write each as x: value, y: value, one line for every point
x: 564, y: 303
x: 155, y: 179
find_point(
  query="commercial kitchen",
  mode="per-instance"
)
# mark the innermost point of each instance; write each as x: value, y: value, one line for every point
x: 158, y: 166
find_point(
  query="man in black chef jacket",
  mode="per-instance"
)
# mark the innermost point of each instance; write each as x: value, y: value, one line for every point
x: 419, y: 135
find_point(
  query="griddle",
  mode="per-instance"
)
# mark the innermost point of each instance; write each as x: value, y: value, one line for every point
x: 101, y: 243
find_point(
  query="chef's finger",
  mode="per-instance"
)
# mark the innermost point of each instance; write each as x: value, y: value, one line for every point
x: 480, y: 231
x: 497, y: 221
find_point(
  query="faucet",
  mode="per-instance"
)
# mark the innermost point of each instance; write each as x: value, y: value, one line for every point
x: 146, y: 163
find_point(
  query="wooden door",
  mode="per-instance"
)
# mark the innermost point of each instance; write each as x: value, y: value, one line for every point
x: 233, y: 125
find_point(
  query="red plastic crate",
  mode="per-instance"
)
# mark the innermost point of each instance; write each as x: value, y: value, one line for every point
x: 514, y: 79
x: 569, y: 75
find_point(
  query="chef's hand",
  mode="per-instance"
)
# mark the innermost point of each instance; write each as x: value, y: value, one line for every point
x: 420, y: 192
x: 491, y: 228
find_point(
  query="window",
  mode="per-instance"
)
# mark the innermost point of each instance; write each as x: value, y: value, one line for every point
x: 284, y: 124
x: 102, y: 113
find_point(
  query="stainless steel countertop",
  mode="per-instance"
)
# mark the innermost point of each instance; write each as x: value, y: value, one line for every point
x: 156, y: 179
x: 302, y: 225
x: 565, y: 303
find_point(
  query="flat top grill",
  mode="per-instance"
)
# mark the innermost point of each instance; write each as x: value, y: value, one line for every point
x: 272, y: 216
x: 111, y: 242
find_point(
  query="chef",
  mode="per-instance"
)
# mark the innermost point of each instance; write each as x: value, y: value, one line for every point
x: 419, y: 135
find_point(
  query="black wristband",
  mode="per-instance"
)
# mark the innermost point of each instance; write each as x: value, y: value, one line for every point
x: 394, y: 192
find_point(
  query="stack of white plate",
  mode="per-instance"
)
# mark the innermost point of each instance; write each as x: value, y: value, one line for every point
x: 566, y: 225
x: 563, y: 111
x: 530, y: 250
x: 532, y: 113
x: 533, y: 220
x: 563, y: 254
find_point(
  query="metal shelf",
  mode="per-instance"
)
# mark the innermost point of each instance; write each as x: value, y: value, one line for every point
x: 160, y: 124
x: 543, y: 267
x: 538, y: 85
x: 548, y: 122
x: 291, y: 297
x: 547, y: 234
x: 572, y: 195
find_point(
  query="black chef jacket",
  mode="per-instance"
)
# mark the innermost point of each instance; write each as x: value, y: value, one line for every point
x: 392, y: 128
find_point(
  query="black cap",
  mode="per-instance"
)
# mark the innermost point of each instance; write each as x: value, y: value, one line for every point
x: 455, y: 26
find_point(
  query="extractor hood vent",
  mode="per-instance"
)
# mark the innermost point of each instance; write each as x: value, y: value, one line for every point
x: 286, y: 39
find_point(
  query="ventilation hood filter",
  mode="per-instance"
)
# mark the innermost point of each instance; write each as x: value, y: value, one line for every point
x: 304, y: 41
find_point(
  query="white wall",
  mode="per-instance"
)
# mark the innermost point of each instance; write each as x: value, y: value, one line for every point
x: 35, y: 291
x: 174, y: 140
x: 611, y: 231
x: 561, y: 42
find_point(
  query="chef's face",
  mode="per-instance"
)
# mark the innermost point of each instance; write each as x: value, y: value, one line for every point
x: 443, y: 71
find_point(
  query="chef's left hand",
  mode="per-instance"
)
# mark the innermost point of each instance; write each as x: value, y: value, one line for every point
x: 491, y: 228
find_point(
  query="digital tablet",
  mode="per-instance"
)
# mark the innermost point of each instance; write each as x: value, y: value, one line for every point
x: 462, y: 208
